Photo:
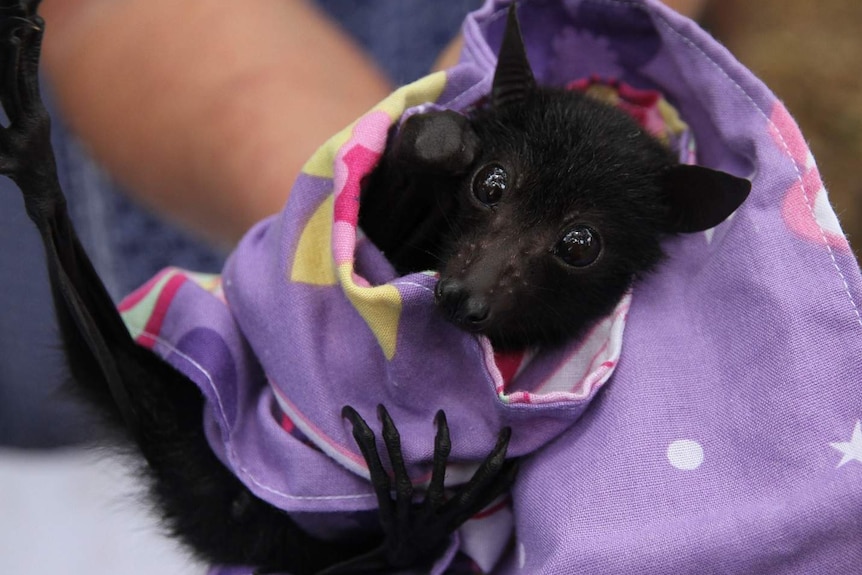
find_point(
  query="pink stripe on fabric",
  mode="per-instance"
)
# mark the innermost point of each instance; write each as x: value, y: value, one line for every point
x: 136, y: 296
x: 343, y: 242
x: 503, y: 504
x: 154, y: 323
x: 314, y: 433
x: 357, y: 163
x: 592, y: 375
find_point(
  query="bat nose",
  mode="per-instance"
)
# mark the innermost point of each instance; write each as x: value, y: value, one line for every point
x: 462, y: 307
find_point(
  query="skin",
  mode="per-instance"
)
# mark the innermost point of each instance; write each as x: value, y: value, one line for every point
x: 206, y: 124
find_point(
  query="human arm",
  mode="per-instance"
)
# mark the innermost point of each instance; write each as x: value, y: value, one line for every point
x: 205, y: 109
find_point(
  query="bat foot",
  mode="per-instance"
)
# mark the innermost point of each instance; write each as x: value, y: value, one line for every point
x: 26, y: 155
x: 436, y: 142
x: 417, y: 533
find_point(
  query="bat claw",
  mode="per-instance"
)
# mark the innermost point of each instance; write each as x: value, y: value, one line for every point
x: 26, y: 155
x: 416, y: 533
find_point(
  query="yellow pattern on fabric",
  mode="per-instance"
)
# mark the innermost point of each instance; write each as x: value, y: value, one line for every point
x: 603, y: 93
x: 379, y: 306
x: 209, y: 282
x: 428, y: 89
x: 674, y: 123
x: 313, y: 263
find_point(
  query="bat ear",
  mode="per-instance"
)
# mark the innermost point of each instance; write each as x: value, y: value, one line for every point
x: 513, y: 78
x: 436, y: 142
x: 702, y: 198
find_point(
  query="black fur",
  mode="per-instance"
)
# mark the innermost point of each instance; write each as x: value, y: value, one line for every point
x: 147, y: 401
x: 570, y: 162
x: 568, y: 159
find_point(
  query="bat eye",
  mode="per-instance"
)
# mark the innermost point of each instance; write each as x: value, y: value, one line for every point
x: 490, y: 183
x: 579, y: 247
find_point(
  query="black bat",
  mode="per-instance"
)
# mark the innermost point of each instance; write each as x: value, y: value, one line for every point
x: 540, y: 195
x: 538, y: 210
x: 146, y: 400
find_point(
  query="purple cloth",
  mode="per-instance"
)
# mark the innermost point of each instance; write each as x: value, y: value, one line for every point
x: 728, y: 438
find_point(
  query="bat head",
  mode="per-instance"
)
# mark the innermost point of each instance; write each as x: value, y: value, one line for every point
x: 563, y: 204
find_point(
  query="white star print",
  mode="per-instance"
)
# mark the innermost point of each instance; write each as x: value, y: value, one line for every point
x: 851, y: 449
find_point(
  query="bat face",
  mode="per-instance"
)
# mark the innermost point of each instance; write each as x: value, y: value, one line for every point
x: 563, y: 208
x: 560, y: 201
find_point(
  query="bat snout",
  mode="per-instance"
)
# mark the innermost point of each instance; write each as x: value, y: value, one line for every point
x: 461, y: 306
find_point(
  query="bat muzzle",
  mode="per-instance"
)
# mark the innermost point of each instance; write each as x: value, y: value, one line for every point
x: 461, y: 306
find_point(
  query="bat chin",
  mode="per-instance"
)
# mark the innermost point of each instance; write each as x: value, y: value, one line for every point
x: 502, y: 337
x: 508, y: 338
x: 511, y: 336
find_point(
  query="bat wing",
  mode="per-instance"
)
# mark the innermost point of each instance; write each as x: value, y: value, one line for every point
x: 159, y: 407
x: 135, y: 390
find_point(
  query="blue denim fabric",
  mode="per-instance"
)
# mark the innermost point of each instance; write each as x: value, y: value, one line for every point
x: 128, y: 244
x: 403, y: 36
x: 33, y: 410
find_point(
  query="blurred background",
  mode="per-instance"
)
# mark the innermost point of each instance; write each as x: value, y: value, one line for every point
x: 810, y: 55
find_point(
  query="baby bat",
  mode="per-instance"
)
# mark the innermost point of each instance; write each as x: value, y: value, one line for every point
x: 472, y: 205
x: 538, y: 210
x: 149, y: 402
